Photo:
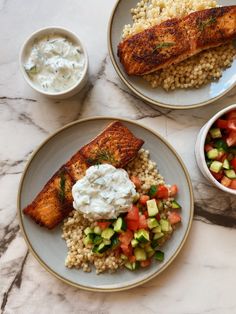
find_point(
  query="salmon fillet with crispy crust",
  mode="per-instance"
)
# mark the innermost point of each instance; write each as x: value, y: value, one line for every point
x: 177, y: 39
x: 55, y: 200
x: 115, y: 145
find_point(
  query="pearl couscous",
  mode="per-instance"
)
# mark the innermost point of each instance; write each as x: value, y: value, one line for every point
x: 193, y: 72
x: 81, y: 255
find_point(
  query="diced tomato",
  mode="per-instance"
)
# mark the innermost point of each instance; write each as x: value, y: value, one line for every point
x: 127, y: 249
x: 162, y: 191
x: 174, y: 217
x: 126, y: 237
x: 158, y: 217
x: 233, y: 184
x: 233, y: 163
x: 208, y: 147
x: 231, y: 138
x: 103, y: 224
x: 145, y: 263
x: 142, y: 222
x: 218, y: 176
x: 232, y: 124
x: 145, y: 213
x: 221, y: 156
x: 222, y: 124
x: 136, y: 181
x: 173, y: 190
x: 143, y: 199
x: 132, y: 224
x: 133, y: 213
x: 132, y: 259
x: 231, y: 115
x: 225, y: 181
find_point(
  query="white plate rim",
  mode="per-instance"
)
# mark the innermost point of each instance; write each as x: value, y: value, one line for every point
x: 139, y: 94
x: 57, y: 275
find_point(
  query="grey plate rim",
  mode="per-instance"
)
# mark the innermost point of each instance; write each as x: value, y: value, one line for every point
x: 57, y: 275
x: 139, y: 94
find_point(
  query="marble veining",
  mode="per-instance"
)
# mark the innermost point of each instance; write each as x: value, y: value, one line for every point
x: 201, y: 280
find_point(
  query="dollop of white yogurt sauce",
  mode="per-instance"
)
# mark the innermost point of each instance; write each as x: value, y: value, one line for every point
x: 103, y: 193
x: 54, y: 63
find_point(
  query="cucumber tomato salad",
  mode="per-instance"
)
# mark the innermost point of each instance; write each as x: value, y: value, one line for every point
x: 138, y: 234
x: 220, y: 150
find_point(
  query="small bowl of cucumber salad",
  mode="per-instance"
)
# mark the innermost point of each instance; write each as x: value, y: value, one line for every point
x: 215, y: 150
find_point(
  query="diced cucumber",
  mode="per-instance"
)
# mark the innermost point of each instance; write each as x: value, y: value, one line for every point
x: 152, y: 191
x: 88, y: 230
x: 230, y: 174
x: 152, y: 223
x: 154, y: 243
x: 142, y: 235
x: 212, y: 154
x: 226, y: 164
x: 149, y: 250
x: 132, y: 266
x: 157, y: 229
x: 175, y: 205
x: 103, y: 247
x: 106, y: 242
x: 119, y: 225
x: 97, y: 239
x: 135, y: 265
x: 216, y: 166
x: 140, y: 254
x: 97, y: 230
x: 123, y: 256
x: 152, y: 208
x: 128, y: 265
x: 107, y: 233
x: 159, y: 256
x: 158, y: 235
x: 87, y: 240
x: 215, y: 133
x: 221, y: 144
x: 114, y: 242
x: 134, y: 242
x: 165, y: 225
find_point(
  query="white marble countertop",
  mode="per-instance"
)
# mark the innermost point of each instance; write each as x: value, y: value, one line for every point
x: 202, y: 278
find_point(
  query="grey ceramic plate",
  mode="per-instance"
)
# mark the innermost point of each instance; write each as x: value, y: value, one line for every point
x: 178, y: 99
x: 48, y: 246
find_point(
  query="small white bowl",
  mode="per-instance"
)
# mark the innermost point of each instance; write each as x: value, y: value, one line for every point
x: 199, y: 150
x: 70, y: 35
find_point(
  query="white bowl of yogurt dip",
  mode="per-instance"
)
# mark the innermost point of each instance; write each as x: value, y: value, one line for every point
x: 54, y: 62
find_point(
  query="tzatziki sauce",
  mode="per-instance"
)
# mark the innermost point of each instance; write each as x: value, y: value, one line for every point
x: 54, y: 63
x: 103, y: 193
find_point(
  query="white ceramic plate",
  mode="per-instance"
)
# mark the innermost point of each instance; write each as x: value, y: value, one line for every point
x: 48, y: 246
x: 178, y: 99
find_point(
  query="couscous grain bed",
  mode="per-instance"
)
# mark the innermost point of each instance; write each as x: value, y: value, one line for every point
x: 193, y: 72
x: 82, y: 254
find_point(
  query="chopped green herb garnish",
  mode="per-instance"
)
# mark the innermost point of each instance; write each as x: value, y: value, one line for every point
x: 163, y: 45
x: 203, y: 24
x: 32, y: 70
x: 101, y: 156
x: 62, y: 190
x: 152, y: 191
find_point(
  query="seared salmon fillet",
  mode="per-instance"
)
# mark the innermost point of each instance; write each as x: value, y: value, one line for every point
x: 116, y: 145
x: 177, y: 39
x: 55, y: 200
